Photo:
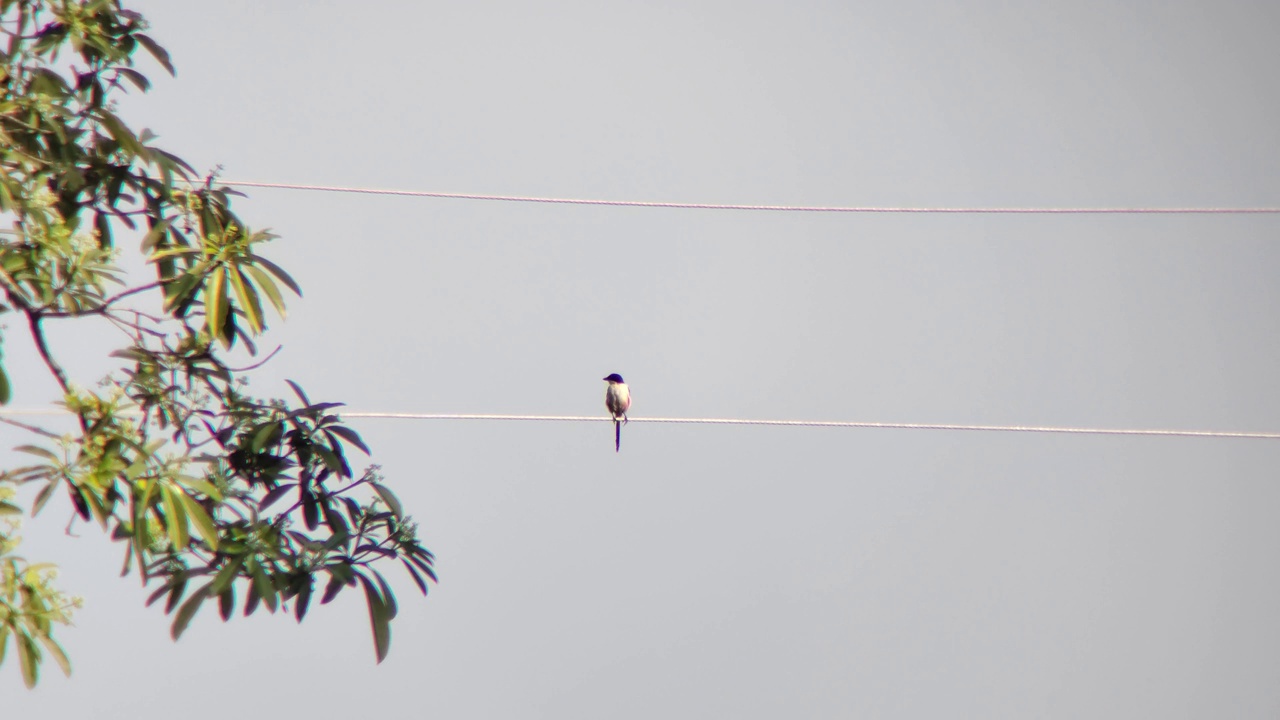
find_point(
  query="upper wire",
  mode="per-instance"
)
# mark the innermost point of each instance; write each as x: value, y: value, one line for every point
x: 772, y: 208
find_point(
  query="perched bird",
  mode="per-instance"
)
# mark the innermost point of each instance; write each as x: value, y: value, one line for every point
x: 617, y: 398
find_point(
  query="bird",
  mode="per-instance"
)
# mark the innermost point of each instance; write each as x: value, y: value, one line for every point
x: 617, y: 398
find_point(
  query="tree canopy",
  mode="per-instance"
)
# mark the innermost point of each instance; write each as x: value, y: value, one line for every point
x: 216, y: 496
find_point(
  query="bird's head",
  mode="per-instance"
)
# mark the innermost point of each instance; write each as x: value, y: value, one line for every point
x: 614, y: 378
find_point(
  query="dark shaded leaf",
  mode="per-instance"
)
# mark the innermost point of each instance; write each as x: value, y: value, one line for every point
x: 6, y: 391
x: 310, y: 509
x: 387, y: 595
x: 188, y: 611
x: 274, y: 495
x: 298, y: 390
x: 388, y: 497
x: 160, y: 54
x: 227, y: 602
x: 303, y: 599
x: 279, y: 273
x: 331, y: 590
x: 379, y: 618
x: 350, y: 436
x: 417, y: 579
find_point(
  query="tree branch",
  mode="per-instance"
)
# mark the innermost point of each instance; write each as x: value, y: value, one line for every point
x: 32, y: 428
x: 106, y: 304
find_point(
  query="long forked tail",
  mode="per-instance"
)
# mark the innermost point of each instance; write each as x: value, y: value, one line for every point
x: 617, y: 435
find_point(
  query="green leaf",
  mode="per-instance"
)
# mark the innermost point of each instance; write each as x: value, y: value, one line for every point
x: 138, y: 79
x: 42, y: 497
x: 160, y: 54
x: 178, y: 292
x: 175, y: 518
x: 262, y: 585
x: 304, y: 599
x: 179, y: 586
x: 417, y: 579
x: 389, y: 498
x: 28, y: 658
x: 6, y: 391
x: 250, y: 305
x: 9, y: 509
x: 271, y: 497
x: 263, y: 435
x: 155, y: 234
x: 120, y: 133
x: 188, y: 611
x: 217, y: 305
x: 227, y: 602
x: 226, y: 576
x: 332, y: 461
x: 379, y: 618
x: 350, y: 436
x: 198, y: 515
x: 310, y: 508
x: 387, y: 595
x: 59, y: 656
x: 268, y: 286
x: 336, y: 523
x: 278, y: 272
x: 38, y: 451
x: 297, y: 389
x: 102, y: 224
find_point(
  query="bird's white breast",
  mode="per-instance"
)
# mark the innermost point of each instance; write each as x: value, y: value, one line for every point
x: 617, y: 398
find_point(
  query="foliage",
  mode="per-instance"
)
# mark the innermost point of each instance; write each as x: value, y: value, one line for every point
x: 214, y: 494
x: 29, y: 604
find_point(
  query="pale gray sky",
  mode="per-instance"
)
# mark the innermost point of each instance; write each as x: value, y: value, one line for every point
x: 750, y: 572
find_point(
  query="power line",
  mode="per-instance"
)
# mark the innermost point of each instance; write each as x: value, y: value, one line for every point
x: 775, y: 208
x: 784, y: 423
x: 827, y: 423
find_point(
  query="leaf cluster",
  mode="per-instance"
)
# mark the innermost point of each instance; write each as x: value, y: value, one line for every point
x: 214, y: 494
x: 29, y: 604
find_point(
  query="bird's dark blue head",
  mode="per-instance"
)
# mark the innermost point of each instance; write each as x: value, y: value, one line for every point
x: 615, y: 377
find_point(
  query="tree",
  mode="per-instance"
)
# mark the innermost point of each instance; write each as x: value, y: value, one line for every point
x: 214, y: 494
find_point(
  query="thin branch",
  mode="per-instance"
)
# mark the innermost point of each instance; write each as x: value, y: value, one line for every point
x: 32, y: 428
x: 126, y: 293
x: 134, y: 325
x: 33, y: 320
x: 260, y: 363
x: 106, y: 304
x: 42, y: 346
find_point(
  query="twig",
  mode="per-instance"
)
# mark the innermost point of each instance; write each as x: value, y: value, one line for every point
x: 260, y: 363
x: 32, y: 428
x: 106, y: 304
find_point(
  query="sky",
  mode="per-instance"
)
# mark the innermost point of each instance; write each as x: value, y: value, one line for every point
x: 744, y: 571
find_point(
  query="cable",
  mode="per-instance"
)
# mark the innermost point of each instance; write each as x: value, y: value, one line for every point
x: 776, y: 208
x: 792, y: 423
x: 829, y: 423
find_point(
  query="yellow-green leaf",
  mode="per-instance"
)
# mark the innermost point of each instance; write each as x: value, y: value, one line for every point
x: 28, y: 658
x: 248, y: 297
x: 58, y: 654
x: 204, y: 524
x: 175, y: 518
x: 216, y: 304
x: 268, y: 286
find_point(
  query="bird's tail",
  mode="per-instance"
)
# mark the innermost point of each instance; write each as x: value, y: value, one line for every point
x: 617, y: 435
